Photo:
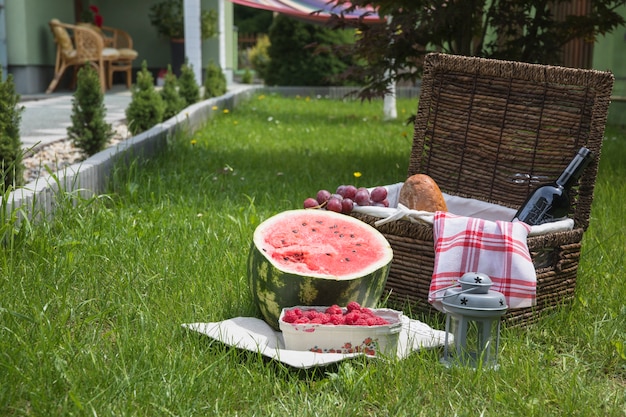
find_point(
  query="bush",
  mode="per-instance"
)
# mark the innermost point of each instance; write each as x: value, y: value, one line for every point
x: 174, y: 103
x: 146, y: 107
x: 258, y: 55
x: 89, y: 131
x: 215, y: 81
x: 247, y: 77
x: 11, y: 153
x: 294, y: 62
x: 188, y: 86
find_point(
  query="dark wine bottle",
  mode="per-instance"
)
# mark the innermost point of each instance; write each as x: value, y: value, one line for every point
x: 550, y: 202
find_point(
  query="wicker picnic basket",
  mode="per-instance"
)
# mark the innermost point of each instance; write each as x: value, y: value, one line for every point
x: 492, y: 130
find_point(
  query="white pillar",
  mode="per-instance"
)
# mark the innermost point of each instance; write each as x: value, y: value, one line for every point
x: 193, y: 37
x: 221, y: 18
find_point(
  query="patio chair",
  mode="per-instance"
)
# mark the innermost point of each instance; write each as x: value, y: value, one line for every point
x: 121, y: 41
x: 77, y: 46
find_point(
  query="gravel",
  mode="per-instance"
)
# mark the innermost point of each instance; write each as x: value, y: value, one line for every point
x: 61, y: 154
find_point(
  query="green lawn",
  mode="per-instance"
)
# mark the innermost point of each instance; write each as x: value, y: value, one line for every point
x: 92, y: 302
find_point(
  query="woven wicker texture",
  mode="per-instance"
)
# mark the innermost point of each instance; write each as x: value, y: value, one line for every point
x: 493, y: 130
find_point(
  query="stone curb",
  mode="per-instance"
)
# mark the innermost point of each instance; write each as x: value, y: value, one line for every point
x: 89, y: 177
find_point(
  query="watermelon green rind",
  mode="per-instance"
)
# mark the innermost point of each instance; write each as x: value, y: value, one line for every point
x: 274, y: 287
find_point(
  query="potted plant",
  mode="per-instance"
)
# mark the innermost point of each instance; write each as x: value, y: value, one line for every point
x: 168, y: 18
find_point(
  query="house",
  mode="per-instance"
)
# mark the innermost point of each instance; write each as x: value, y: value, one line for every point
x: 27, y: 48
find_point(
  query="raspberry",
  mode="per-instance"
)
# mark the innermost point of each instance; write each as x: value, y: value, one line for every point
x: 297, y: 312
x: 311, y: 314
x: 325, y: 318
x: 334, y: 309
x: 371, y: 321
x: 366, y: 311
x: 360, y: 322
x: 301, y: 320
x: 289, y: 316
x: 351, y: 317
x: 381, y: 321
x: 337, y: 319
x: 353, y: 306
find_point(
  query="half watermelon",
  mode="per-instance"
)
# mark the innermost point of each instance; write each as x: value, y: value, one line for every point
x: 316, y: 258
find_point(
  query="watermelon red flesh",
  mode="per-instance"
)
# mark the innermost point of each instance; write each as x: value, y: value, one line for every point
x: 317, y: 258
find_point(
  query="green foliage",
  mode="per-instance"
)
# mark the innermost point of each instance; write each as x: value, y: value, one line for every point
x: 215, y: 81
x: 247, y: 77
x: 251, y: 20
x: 146, y: 107
x: 258, y: 55
x: 187, y: 85
x: 89, y: 130
x: 293, y: 59
x: 11, y: 153
x: 174, y: 103
x: 168, y: 19
x: 530, y: 31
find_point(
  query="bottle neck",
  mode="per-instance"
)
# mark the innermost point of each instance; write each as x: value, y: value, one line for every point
x: 575, y: 168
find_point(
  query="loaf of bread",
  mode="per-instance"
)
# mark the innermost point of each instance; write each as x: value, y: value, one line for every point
x: 421, y: 192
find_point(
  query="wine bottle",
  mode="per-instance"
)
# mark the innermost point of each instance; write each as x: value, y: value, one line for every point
x: 550, y: 202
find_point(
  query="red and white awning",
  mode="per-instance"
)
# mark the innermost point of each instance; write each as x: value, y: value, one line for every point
x: 316, y: 10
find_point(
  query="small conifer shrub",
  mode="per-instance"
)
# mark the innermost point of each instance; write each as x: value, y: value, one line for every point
x: 146, y: 106
x: 174, y: 103
x: 89, y: 130
x: 187, y: 85
x: 247, y: 77
x: 215, y: 81
x: 11, y: 154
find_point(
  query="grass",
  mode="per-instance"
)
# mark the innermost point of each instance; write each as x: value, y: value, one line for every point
x: 91, y: 302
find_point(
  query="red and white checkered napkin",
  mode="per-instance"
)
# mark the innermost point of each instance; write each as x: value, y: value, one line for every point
x: 496, y: 248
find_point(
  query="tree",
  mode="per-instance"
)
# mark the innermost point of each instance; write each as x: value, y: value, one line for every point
x: 174, y: 103
x: 526, y: 31
x: 188, y: 87
x: 11, y: 153
x: 214, y: 82
x: 89, y: 130
x: 294, y: 62
x: 146, y: 107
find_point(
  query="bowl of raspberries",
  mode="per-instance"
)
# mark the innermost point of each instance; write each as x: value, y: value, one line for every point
x: 343, y: 330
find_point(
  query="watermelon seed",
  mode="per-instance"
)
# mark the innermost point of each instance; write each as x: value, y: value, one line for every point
x: 328, y: 254
x: 314, y: 229
x: 303, y: 223
x: 341, y: 235
x: 319, y: 222
x: 294, y: 231
x: 352, y: 236
x: 347, y: 259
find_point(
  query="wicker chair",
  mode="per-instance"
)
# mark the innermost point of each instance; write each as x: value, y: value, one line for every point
x: 123, y: 43
x: 490, y: 130
x: 77, y: 46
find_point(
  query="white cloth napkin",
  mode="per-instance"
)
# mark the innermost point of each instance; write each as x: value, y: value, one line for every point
x: 457, y: 205
x: 256, y: 335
